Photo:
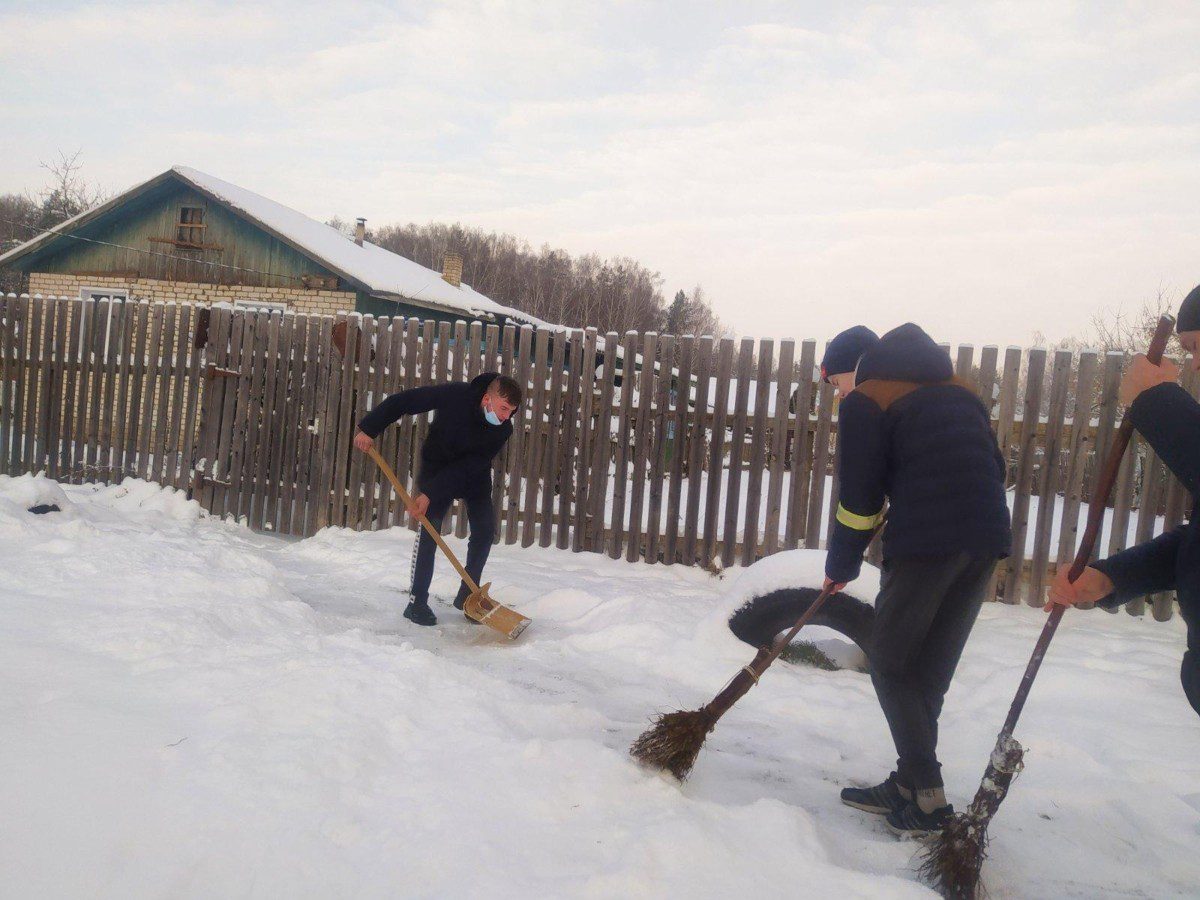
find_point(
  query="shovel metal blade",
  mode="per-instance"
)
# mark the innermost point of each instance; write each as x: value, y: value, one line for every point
x: 483, y: 609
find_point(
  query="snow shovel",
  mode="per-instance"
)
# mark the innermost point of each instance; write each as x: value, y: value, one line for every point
x: 479, y: 605
x: 951, y: 862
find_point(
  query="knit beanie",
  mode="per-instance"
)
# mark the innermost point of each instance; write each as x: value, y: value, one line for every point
x: 1189, y: 312
x: 845, y: 350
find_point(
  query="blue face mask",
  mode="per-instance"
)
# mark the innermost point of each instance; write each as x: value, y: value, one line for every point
x: 491, y: 417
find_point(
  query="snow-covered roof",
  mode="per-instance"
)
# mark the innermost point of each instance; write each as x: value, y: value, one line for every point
x: 378, y: 271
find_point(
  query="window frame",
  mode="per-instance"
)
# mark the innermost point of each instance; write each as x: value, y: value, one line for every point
x: 103, y: 293
x: 260, y: 305
x: 190, y: 232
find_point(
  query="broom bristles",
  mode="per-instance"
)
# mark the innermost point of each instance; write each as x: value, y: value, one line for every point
x: 674, y: 741
x: 952, y: 861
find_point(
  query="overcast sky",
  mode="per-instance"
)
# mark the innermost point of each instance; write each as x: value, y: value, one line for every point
x: 985, y: 170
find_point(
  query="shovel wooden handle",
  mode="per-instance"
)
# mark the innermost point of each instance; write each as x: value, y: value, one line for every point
x: 373, y: 452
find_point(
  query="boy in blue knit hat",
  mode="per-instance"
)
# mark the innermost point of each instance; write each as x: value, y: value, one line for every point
x: 912, y: 434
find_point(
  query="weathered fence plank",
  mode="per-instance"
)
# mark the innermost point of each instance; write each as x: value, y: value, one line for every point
x: 696, y: 455
x: 572, y: 407
x: 678, y: 437
x: 733, y: 489
x: 1060, y: 381
x: 819, y: 472
x: 8, y: 365
x: 801, y: 453
x: 657, y: 437
x: 553, y: 434
x: 137, y: 375
x: 641, y: 437
x: 620, y: 439
x: 517, y: 444
x: 1077, y: 455
x: 716, y: 452
x: 779, y: 437
x: 587, y: 439
x: 75, y: 392
x: 18, y: 338
x: 597, y: 536
x: 1023, y: 484
x: 752, y: 522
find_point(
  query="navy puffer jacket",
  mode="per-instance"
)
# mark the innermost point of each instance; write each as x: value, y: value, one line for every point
x: 456, y: 459
x: 913, y: 434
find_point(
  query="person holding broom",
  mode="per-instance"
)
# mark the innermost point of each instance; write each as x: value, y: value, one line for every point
x: 914, y: 436
x: 1169, y: 419
x: 470, y: 426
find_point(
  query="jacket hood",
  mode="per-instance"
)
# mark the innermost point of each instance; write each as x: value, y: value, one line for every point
x: 906, y: 353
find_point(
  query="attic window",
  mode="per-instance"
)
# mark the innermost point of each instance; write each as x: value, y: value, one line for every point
x: 191, y: 225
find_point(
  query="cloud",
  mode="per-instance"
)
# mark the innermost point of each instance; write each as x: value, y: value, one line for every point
x: 992, y: 169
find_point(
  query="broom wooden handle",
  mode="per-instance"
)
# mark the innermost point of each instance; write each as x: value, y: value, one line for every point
x: 1096, y: 507
x: 373, y: 452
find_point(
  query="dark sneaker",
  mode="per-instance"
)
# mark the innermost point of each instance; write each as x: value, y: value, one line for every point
x: 910, y: 822
x: 419, y: 613
x: 882, y: 799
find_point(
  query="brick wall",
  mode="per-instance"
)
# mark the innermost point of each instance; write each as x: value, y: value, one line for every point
x: 297, y: 299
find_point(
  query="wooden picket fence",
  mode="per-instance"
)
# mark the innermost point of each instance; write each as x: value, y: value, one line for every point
x: 715, y: 455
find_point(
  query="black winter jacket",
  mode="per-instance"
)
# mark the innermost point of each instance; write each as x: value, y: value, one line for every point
x: 1169, y: 419
x: 456, y: 459
x: 912, y: 433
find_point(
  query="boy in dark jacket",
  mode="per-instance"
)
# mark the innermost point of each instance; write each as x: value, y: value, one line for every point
x: 910, y: 432
x: 1169, y: 419
x: 470, y: 426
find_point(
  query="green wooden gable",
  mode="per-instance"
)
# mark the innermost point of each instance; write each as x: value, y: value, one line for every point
x: 151, y: 221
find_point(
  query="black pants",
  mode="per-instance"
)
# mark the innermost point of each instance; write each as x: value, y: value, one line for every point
x: 482, y: 520
x: 926, y: 608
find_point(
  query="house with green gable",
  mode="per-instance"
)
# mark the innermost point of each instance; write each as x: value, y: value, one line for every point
x: 186, y: 236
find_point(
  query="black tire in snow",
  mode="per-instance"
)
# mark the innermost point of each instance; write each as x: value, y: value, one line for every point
x: 760, y: 619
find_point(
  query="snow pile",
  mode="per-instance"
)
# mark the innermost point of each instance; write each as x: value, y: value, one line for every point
x: 17, y: 495
x: 191, y: 710
x: 796, y: 568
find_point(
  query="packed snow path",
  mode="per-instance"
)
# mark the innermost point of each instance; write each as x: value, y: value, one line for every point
x: 191, y: 710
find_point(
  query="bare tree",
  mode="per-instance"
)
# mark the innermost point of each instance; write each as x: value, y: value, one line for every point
x: 18, y: 223
x: 68, y: 193
x: 1131, y: 331
x: 615, y: 294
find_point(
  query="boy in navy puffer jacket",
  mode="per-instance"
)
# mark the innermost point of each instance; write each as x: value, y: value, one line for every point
x: 913, y: 434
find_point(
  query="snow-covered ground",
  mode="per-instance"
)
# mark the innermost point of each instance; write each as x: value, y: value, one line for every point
x: 192, y: 710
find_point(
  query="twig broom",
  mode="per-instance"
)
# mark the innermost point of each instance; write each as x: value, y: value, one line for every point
x: 952, y: 860
x: 675, y: 739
